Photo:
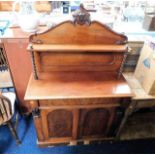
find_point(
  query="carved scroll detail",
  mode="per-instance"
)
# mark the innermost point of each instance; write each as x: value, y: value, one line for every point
x: 82, y: 16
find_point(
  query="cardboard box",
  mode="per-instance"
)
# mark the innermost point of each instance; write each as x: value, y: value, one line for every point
x: 145, y: 69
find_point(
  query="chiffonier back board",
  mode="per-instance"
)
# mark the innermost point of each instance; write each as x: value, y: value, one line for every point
x: 74, y: 46
x: 77, y: 92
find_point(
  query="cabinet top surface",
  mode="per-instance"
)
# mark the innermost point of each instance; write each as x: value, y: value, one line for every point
x: 70, y: 85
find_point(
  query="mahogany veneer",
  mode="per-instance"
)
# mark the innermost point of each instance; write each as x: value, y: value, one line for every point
x: 77, y: 91
x: 73, y: 85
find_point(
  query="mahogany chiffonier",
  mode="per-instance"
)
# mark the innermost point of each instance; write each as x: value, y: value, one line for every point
x: 77, y: 92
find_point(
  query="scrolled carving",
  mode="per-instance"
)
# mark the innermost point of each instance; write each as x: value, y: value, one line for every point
x: 82, y: 16
x: 36, y: 41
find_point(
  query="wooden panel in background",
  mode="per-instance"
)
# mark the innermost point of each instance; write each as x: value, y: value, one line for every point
x: 20, y: 65
x: 40, y: 6
x: 74, y: 61
x: 6, y: 6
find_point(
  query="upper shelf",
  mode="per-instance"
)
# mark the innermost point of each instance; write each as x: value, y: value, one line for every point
x: 79, y: 35
x: 78, y: 48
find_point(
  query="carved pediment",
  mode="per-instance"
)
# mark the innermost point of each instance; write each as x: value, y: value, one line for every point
x: 79, y: 31
x: 81, y: 16
x: 69, y: 33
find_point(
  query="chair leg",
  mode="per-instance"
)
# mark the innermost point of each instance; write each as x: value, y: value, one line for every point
x: 13, y: 131
x: 16, y: 121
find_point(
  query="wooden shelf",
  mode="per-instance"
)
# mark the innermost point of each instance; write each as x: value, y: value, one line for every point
x: 78, y: 48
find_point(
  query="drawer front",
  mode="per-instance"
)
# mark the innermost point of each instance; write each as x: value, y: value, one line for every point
x: 58, y: 123
x: 82, y: 102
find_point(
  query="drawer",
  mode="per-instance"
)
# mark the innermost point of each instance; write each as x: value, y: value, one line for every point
x: 81, y: 102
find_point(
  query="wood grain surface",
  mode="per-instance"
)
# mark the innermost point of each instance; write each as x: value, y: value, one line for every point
x: 62, y: 85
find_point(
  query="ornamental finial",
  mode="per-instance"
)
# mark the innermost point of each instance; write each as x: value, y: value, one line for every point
x: 81, y: 16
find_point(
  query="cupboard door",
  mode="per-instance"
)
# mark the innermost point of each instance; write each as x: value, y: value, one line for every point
x: 95, y: 123
x: 57, y: 125
x: 60, y: 123
x: 65, y: 125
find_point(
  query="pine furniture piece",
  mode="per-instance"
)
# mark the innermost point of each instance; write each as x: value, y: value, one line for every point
x: 7, y: 110
x: 19, y: 62
x: 141, y: 98
x: 77, y: 92
x: 14, y: 44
